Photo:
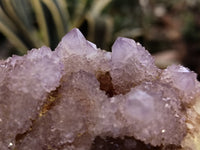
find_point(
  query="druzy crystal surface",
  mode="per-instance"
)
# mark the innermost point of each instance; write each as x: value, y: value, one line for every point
x: 79, y: 97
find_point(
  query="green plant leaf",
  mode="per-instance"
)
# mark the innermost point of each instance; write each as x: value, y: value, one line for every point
x: 37, y: 6
x: 8, y: 29
x: 63, y: 8
x: 13, y: 14
x: 56, y: 16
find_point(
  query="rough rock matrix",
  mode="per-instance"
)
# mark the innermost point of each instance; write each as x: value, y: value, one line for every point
x: 79, y: 97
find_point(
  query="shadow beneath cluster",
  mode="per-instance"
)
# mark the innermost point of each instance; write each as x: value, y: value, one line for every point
x: 127, y: 143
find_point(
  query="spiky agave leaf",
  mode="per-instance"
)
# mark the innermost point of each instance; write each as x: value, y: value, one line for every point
x: 26, y: 23
x: 8, y: 29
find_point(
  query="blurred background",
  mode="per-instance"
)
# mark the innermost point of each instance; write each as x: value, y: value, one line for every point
x: 169, y: 29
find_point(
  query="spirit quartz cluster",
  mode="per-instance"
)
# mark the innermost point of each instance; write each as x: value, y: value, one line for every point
x: 79, y: 97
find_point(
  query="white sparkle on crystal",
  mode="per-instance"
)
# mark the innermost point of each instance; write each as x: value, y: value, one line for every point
x: 167, y: 106
x: 183, y: 69
x: 10, y: 144
x: 163, y: 131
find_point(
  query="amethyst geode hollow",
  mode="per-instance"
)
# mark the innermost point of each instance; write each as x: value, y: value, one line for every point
x: 65, y: 98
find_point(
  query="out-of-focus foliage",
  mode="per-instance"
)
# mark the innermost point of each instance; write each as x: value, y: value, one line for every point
x: 33, y: 23
x: 160, y: 25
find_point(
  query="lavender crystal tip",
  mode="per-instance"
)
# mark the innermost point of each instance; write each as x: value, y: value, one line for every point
x: 79, y: 97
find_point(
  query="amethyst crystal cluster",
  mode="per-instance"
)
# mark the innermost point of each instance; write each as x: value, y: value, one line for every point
x: 67, y: 98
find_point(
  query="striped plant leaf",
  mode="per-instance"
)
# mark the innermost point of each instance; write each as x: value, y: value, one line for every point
x: 56, y: 17
x: 25, y: 23
x: 39, y: 12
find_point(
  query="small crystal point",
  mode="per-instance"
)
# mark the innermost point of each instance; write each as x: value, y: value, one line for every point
x: 182, y: 79
x: 75, y: 43
x: 131, y: 65
x: 122, y: 49
x: 139, y: 105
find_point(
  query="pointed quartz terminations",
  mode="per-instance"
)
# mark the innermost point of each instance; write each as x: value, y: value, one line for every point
x: 74, y: 43
x: 78, y: 53
x: 153, y: 112
x: 60, y: 99
x: 67, y: 125
x: 184, y: 80
x: 26, y: 84
x: 131, y: 65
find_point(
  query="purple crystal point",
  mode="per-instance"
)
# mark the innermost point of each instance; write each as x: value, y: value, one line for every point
x: 75, y: 43
x: 182, y: 79
x: 131, y: 65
